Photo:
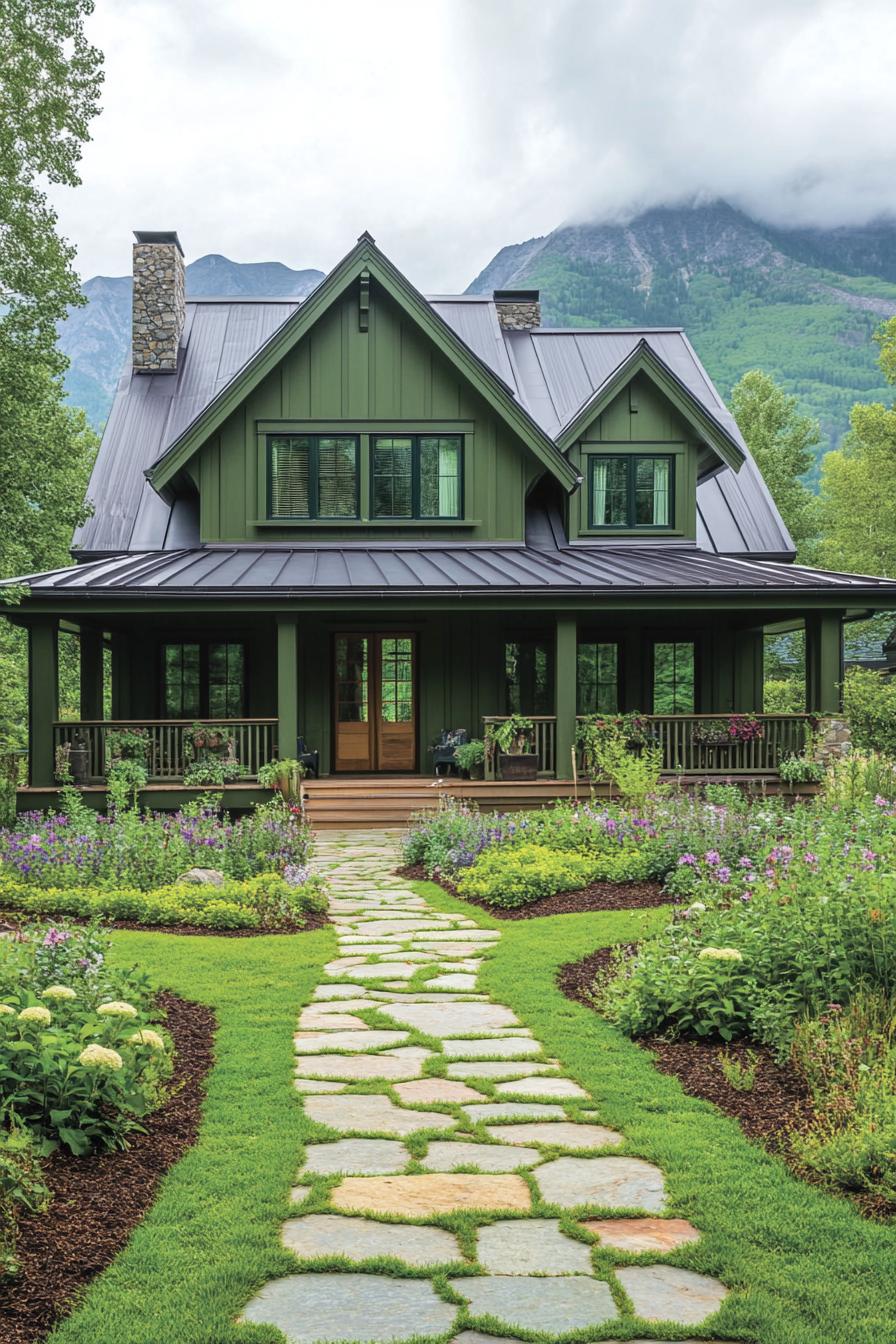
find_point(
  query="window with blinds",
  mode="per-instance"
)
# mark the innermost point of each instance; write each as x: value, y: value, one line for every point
x: 633, y: 490
x: 417, y: 476
x: 312, y: 476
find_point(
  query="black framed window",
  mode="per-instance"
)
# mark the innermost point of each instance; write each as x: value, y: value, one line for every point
x: 313, y: 476
x: 674, y: 677
x: 204, y: 680
x: 416, y: 476
x: 529, y: 676
x: 631, y: 490
x: 597, y: 678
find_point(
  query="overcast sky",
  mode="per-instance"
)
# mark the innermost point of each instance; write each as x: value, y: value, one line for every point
x: 280, y: 129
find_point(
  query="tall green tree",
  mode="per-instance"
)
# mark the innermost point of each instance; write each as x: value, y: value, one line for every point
x: 50, y: 80
x: 782, y: 440
x: 858, y: 482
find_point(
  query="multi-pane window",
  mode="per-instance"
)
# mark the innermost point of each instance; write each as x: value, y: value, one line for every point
x: 674, y: 677
x: 396, y: 680
x: 597, y: 678
x: 312, y: 476
x: 203, y: 680
x: 416, y: 476
x: 529, y: 676
x: 631, y: 490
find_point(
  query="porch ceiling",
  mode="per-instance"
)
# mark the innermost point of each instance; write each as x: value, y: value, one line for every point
x: 401, y: 570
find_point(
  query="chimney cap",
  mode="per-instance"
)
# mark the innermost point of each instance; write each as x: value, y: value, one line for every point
x: 151, y: 236
x: 516, y: 295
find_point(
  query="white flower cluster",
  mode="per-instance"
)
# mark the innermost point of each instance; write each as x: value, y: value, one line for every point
x: 100, y: 1057
x: 720, y: 954
x: 117, y: 1008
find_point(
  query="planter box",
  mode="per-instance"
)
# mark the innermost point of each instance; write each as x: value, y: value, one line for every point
x: 518, y: 767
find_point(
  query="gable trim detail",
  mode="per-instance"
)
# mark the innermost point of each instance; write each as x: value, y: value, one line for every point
x: 644, y: 359
x: 364, y: 257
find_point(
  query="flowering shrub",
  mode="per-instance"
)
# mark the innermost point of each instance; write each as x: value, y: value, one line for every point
x: 147, y: 849
x: 510, y: 878
x: 266, y: 901
x: 79, y: 1064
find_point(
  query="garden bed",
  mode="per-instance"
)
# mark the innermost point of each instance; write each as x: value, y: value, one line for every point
x: 596, y: 896
x: 777, y: 1105
x: 97, y: 1200
x: 10, y: 920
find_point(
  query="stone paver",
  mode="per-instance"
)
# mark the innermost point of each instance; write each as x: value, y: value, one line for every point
x: 614, y: 1182
x: 561, y: 1134
x: 420, y: 1196
x: 445, y: 1156
x: 445, y: 1090
x: 359, y: 1114
x: 354, y: 1068
x: 541, y: 1087
x: 642, y: 1234
x: 530, y: 1246
x: 484, y: 1066
x: 552, y: 1306
x: 322, y: 1234
x: 358, y: 1157
x: 665, y: 1293
x: 369, y: 1308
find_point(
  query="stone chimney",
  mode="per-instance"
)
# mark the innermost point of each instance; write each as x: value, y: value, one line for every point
x: 159, y: 309
x: 518, y: 309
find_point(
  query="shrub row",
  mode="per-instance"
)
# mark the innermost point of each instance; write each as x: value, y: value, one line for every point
x: 267, y: 901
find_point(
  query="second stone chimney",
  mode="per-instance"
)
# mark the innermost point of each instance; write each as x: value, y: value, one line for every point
x: 518, y: 309
x: 159, y: 304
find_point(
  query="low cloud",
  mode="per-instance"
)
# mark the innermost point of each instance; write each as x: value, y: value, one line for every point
x: 280, y: 130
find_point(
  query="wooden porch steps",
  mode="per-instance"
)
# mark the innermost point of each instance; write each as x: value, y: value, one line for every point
x: 383, y: 800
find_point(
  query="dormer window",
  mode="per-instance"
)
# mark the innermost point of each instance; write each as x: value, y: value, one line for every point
x: 631, y: 491
x: 416, y: 476
x: 312, y: 476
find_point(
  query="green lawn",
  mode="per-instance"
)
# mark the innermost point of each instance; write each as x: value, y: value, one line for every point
x: 810, y: 1269
x: 211, y: 1238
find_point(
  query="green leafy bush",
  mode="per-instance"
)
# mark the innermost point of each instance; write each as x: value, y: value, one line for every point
x: 518, y: 876
x: 857, y: 779
x: 869, y: 702
x: 784, y: 695
x: 266, y: 901
x: 80, y: 1060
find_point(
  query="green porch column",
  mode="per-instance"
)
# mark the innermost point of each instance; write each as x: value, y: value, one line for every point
x: 121, y: 676
x: 824, y: 662
x: 91, y: 642
x: 43, y: 700
x: 287, y: 685
x: 565, y: 693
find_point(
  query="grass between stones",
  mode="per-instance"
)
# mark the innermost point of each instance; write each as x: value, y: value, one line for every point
x: 212, y: 1237
x: 808, y: 1269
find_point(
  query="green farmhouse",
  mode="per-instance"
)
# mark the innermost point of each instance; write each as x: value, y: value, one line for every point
x: 348, y: 524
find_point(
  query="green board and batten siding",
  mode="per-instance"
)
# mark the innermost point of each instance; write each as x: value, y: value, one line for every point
x: 345, y: 380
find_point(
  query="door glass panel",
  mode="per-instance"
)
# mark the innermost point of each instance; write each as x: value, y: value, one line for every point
x: 352, y: 679
x: 396, y: 681
x: 673, y: 677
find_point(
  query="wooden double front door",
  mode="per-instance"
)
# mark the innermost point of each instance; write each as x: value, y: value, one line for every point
x: 374, y: 695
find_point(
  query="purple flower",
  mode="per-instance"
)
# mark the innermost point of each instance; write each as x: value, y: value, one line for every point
x: 712, y: 857
x: 723, y: 874
x: 744, y: 862
x: 689, y: 859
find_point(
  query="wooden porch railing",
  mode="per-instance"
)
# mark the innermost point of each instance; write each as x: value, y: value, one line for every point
x: 254, y: 743
x: 683, y: 753
x: 545, y: 742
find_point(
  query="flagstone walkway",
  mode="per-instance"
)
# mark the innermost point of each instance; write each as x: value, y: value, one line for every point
x: 456, y: 1166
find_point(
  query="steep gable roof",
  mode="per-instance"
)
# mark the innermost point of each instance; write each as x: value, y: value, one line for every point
x: 548, y: 375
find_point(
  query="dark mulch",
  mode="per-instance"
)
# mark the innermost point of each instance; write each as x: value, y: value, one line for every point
x: 98, y: 1200
x: 596, y: 896
x: 11, y: 919
x: 777, y: 1105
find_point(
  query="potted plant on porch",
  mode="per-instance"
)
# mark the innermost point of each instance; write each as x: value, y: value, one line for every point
x: 513, y: 742
x: 470, y: 757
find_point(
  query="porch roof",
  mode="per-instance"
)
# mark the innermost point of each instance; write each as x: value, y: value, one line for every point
x: 410, y: 569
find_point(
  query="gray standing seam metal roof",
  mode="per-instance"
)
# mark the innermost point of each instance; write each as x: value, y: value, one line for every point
x: 449, y: 570
x: 551, y: 373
